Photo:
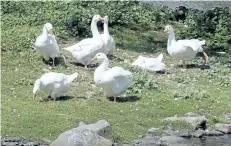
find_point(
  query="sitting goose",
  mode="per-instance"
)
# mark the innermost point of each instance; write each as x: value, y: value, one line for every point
x: 46, y: 43
x: 183, y: 49
x: 114, y: 81
x: 150, y: 64
x: 54, y: 83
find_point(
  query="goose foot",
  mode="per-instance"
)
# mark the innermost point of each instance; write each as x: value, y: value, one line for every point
x: 184, y: 65
x: 114, y: 100
x: 205, y: 56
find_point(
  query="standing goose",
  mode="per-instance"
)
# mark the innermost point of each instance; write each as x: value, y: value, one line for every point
x: 183, y: 49
x: 107, y: 38
x: 114, y: 81
x: 86, y: 49
x: 54, y: 83
x: 46, y: 43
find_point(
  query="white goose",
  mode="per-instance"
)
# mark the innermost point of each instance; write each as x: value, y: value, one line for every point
x: 85, y: 50
x: 150, y: 64
x: 114, y: 81
x: 54, y: 83
x: 107, y: 38
x: 46, y: 43
x: 183, y: 49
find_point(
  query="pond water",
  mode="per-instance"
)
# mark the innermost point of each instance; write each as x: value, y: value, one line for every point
x: 224, y: 140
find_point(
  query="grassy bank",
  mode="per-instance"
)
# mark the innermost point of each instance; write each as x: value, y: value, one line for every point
x: 151, y: 98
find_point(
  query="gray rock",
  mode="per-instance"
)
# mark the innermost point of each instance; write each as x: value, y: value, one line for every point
x: 12, y: 139
x: 81, y: 137
x: 46, y: 141
x: 9, y: 143
x: 190, y: 114
x: 178, y: 133
x: 148, y: 140
x: 101, y: 127
x: 199, y: 133
x: 227, y: 115
x: 81, y: 124
x: 224, y: 128
x: 32, y: 144
x: 198, y: 122
x: 213, y: 133
x: 90, y: 135
x: 171, y: 140
x: 152, y: 131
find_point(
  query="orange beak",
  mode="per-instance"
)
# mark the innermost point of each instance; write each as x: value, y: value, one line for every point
x: 95, y: 58
x: 100, y: 18
x: 165, y: 30
x: 51, y: 32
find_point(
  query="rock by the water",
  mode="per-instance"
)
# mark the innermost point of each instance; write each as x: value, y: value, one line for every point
x: 171, y: 140
x: 190, y: 114
x: 81, y: 137
x: 101, y: 127
x: 13, y: 141
x: 224, y: 128
x: 91, y: 135
x: 178, y: 133
x: 198, y: 122
x: 199, y: 133
x: 148, y: 140
x: 213, y: 133
x: 152, y: 131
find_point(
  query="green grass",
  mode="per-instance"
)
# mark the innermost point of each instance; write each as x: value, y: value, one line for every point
x: 200, y: 91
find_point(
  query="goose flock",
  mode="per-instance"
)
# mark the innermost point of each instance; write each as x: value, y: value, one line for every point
x: 115, y: 80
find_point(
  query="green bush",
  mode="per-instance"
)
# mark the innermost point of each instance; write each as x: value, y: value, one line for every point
x: 212, y: 25
x: 22, y: 21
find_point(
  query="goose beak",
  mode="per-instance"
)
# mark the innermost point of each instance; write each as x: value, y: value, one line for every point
x: 165, y: 30
x: 100, y: 18
x: 51, y: 32
x: 95, y: 58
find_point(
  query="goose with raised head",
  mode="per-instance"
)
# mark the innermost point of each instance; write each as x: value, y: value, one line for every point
x: 54, y: 83
x: 150, y: 64
x: 183, y: 49
x: 86, y: 49
x: 114, y: 81
x: 109, y: 41
x: 46, y: 43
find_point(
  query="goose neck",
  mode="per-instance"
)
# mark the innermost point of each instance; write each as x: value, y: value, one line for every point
x: 94, y: 28
x: 101, y: 69
x: 45, y: 31
x: 171, y: 38
x: 105, y: 28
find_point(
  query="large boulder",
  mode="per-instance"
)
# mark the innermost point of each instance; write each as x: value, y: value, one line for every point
x: 150, y: 139
x: 178, y: 133
x: 224, y: 128
x: 101, y: 127
x: 197, y: 121
x: 85, y: 135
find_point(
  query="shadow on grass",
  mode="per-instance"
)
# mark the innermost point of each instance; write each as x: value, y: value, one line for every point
x: 58, y: 61
x: 114, y: 57
x: 62, y: 98
x: 125, y: 99
x: 140, y: 41
x: 191, y: 66
x: 81, y: 65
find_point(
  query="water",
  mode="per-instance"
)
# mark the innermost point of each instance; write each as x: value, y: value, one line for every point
x: 224, y: 140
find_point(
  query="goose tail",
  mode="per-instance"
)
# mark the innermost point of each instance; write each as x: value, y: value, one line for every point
x: 72, y: 77
x: 160, y: 57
